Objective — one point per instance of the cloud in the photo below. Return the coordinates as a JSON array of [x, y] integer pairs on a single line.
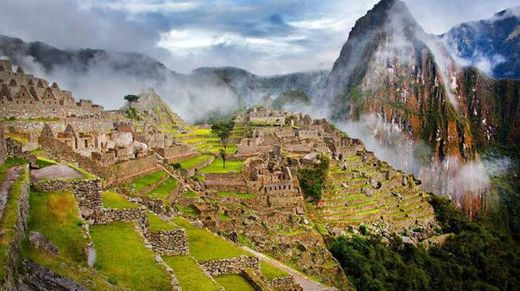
[[289, 34]]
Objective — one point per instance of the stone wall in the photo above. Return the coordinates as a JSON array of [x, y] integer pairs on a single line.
[[13, 253], [114, 174], [14, 147], [230, 266], [286, 283], [231, 182], [59, 125], [169, 242], [37, 277]]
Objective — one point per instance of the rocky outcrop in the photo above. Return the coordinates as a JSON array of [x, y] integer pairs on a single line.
[[38, 277]]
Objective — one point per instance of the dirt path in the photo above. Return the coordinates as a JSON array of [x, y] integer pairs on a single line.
[[304, 281], [10, 177]]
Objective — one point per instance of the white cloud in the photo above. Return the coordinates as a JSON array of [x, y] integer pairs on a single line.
[[141, 7], [189, 41]]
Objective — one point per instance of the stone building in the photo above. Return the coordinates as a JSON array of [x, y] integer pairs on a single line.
[[263, 116], [24, 96], [3, 146]]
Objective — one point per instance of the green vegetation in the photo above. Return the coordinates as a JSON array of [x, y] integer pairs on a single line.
[[476, 257], [270, 272], [56, 216], [10, 218], [157, 224], [145, 181], [193, 162], [164, 190], [131, 113], [223, 130], [189, 274], [234, 283], [122, 256], [313, 180], [205, 246], [188, 210], [191, 194], [85, 173], [218, 167], [115, 200], [44, 162], [294, 97]]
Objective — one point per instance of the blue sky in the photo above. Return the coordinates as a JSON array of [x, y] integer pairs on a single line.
[[266, 37]]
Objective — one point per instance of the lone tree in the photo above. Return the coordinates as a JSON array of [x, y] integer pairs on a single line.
[[131, 99], [223, 130]]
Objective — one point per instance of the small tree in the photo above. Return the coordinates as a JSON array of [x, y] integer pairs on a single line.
[[312, 180], [223, 130], [132, 99]]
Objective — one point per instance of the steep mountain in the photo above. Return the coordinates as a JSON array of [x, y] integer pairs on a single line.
[[391, 68], [401, 84], [493, 44]]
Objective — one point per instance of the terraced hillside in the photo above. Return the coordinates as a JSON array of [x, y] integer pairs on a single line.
[[353, 197]]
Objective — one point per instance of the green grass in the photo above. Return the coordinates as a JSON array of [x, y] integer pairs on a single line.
[[9, 219], [157, 224], [192, 162], [189, 274], [224, 194], [217, 167], [270, 272], [206, 246], [44, 162], [10, 162], [122, 256], [140, 183], [115, 200], [234, 283], [188, 210], [191, 194], [56, 216], [164, 190], [86, 174]]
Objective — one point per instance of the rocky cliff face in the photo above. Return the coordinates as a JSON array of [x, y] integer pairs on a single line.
[[391, 68], [493, 45], [408, 83]]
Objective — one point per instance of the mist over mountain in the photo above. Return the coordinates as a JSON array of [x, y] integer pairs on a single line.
[[107, 76], [492, 45]]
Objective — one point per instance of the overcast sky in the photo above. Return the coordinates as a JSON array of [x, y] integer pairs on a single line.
[[263, 36]]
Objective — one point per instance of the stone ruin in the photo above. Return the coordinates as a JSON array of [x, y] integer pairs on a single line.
[[24, 96]]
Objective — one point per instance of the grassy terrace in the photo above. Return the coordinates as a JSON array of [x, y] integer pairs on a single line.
[[10, 217], [164, 190], [206, 246], [217, 167], [157, 224], [270, 272], [56, 216], [190, 275], [234, 283], [140, 183], [193, 162], [122, 256], [115, 200]]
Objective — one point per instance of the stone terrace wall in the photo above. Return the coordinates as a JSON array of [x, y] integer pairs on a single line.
[[232, 182], [36, 126], [230, 266], [14, 147], [13, 254], [286, 283], [169, 242], [117, 173], [120, 173]]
